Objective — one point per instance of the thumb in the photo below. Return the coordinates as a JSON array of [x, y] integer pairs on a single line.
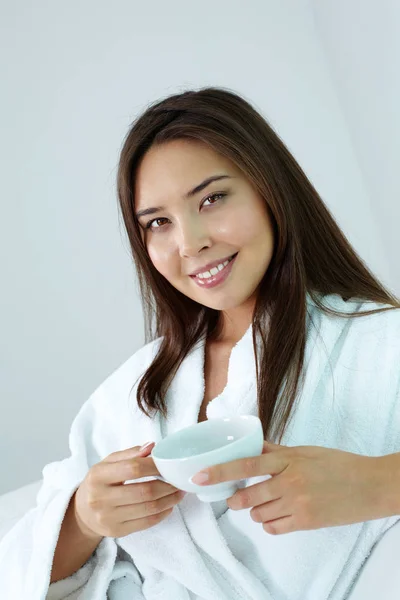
[[145, 449], [270, 447]]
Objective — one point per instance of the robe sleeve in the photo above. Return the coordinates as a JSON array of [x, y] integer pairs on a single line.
[[27, 550], [386, 413]]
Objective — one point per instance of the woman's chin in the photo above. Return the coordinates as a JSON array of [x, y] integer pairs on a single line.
[[219, 304]]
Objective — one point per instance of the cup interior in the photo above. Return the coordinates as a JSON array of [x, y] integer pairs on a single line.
[[204, 437]]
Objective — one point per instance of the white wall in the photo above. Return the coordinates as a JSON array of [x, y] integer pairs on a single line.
[[361, 40], [74, 76]]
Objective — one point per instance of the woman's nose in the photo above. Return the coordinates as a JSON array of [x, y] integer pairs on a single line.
[[193, 236]]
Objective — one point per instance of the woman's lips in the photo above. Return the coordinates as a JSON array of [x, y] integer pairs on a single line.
[[216, 279]]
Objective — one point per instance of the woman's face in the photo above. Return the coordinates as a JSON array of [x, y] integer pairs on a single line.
[[184, 232]]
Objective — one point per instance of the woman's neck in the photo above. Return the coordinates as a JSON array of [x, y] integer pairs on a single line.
[[230, 332], [236, 321]]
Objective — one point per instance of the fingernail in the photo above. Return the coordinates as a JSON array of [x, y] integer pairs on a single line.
[[199, 478], [145, 446]]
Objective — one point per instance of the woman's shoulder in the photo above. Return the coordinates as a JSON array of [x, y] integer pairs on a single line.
[[382, 325]]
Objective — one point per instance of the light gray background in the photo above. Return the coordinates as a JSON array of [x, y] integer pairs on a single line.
[[73, 77]]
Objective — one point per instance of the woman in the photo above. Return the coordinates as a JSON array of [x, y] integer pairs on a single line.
[[259, 306]]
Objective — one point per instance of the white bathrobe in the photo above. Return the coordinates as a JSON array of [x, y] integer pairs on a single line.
[[350, 400]]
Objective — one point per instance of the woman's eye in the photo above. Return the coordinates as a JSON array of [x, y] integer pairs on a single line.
[[149, 225], [221, 195]]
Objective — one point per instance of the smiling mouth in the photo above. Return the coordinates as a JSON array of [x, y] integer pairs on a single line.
[[210, 275], [216, 279]]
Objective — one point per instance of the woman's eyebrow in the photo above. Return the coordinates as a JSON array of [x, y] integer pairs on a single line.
[[193, 192]]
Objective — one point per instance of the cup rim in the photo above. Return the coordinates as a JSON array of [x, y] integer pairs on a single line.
[[203, 424]]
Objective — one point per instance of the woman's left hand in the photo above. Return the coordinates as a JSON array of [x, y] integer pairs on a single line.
[[310, 487]]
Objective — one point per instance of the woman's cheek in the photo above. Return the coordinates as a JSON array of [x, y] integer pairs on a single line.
[[161, 259], [230, 227]]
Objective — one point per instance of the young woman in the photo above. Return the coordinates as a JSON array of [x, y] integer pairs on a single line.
[[255, 303]]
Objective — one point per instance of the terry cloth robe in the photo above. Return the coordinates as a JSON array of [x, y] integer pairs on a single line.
[[350, 400]]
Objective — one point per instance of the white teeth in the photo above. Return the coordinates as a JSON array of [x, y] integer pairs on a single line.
[[213, 271]]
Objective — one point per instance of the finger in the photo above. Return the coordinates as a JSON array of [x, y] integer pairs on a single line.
[[114, 473], [279, 526], [243, 468], [129, 453], [256, 494], [136, 493], [136, 511], [270, 511], [133, 525]]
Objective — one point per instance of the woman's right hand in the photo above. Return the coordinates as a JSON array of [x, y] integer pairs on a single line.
[[106, 507]]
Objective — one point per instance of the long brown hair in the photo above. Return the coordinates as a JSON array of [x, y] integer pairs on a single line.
[[311, 253]]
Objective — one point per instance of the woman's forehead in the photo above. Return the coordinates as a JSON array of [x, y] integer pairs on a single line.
[[176, 170]]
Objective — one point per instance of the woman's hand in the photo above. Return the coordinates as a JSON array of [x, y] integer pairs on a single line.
[[106, 506], [310, 487]]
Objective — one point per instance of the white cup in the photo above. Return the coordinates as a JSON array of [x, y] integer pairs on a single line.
[[182, 454]]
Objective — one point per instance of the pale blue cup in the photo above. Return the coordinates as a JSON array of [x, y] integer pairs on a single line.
[[182, 454]]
